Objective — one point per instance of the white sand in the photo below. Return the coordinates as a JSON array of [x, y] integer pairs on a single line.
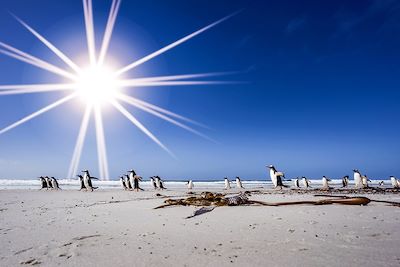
[[70, 228]]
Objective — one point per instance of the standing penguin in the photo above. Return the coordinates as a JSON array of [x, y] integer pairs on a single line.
[[239, 183], [153, 182], [127, 182], [123, 183], [81, 182], [43, 182], [276, 177], [325, 184], [49, 183], [395, 182], [55, 183], [87, 180], [190, 185], [357, 178], [306, 182], [345, 181], [136, 180], [296, 182], [364, 181], [227, 183], [131, 175], [159, 183]]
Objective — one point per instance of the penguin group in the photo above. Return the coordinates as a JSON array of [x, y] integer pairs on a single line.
[[360, 181], [49, 183], [131, 181], [86, 181]]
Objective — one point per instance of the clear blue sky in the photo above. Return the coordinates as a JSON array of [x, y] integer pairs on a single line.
[[322, 97]]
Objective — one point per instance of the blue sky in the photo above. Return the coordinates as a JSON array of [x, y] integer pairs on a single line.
[[321, 98]]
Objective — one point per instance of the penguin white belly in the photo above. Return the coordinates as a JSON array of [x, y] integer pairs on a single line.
[[158, 184], [357, 179], [227, 184], [238, 183], [190, 185], [273, 178], [324, 183], [86, 182]]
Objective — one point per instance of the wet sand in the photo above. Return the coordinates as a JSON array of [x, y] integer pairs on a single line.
[[121, 228]]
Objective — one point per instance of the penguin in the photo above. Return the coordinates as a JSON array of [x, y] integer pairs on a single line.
[[306, 182], [127, 182], [345, 181], [357, 178], [227, 183], [395, 182], [157, 180], [276, 177], [123, 182], [55, 183], [87, 180], [190, 184], [296, 183], [48, 181], [239, 183], [43, 182], [364, 181], [325, 184], [131, 175], [136, 180], [153, 182], [81, 181], [159, 183]]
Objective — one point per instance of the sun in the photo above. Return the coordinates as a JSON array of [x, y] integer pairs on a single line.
[[97, 85]]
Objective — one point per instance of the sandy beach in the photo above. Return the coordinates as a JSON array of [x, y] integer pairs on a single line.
[[121, 228]]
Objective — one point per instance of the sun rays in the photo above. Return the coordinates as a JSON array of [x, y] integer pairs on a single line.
[[97, 83]]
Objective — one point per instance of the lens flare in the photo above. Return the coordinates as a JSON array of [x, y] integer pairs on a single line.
[[99, 84]]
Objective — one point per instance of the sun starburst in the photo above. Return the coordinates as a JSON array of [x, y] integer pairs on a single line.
[[98, 83]]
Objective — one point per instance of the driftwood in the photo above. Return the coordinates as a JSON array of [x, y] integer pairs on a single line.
[[216, 200], [393, 203]]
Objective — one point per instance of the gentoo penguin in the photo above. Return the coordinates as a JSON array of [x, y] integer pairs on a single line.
[[123, 182], [159, 183], [296, 183], [136, 180], [325, 184], [127, 182], [345, 181], [190, 184], [48, 181], [81, 181], [306, 182], [365, 180], [153, 182], [276, 177], [238, 182], [227, 183], [55, 183], [395, 182], [357, 178], [131, 175], [87, 180], [43, 182]]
